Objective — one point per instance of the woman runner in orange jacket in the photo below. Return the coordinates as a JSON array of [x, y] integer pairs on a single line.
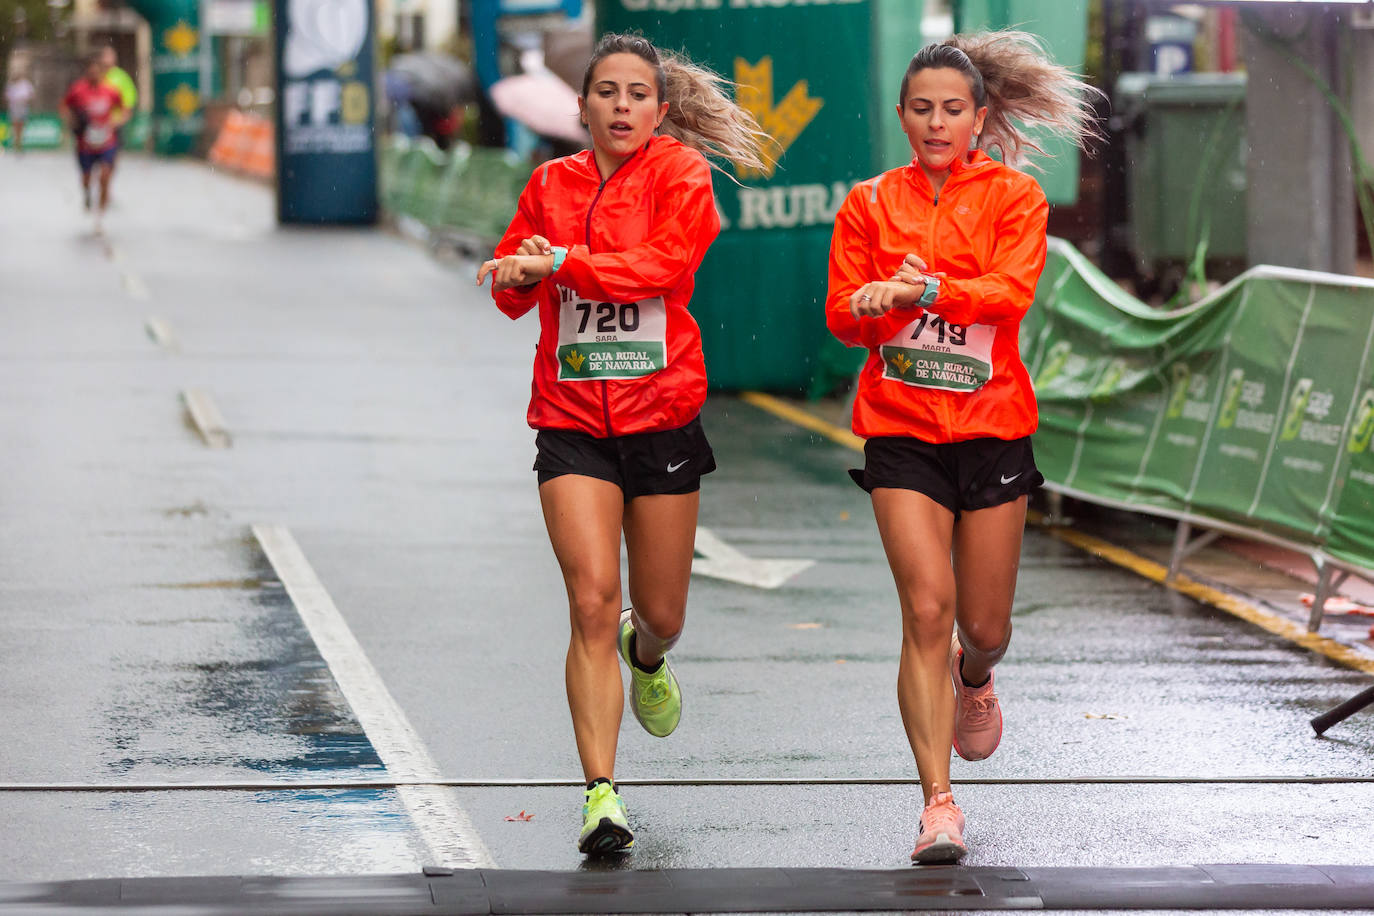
[[932, 266], [605, 244]]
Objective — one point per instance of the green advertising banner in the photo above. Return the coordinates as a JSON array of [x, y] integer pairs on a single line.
[[41, 131], [1254, 406], [177, 100], [760, 292]]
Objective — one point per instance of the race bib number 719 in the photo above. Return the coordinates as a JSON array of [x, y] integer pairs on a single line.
[[932, 353], [609, 340]]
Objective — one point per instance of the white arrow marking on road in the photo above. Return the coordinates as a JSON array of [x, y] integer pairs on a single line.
[[719, 560]]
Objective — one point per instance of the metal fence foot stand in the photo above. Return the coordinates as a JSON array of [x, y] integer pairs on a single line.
[[1344, 711], [1055, 516], [1184, 548], [1329, 578]]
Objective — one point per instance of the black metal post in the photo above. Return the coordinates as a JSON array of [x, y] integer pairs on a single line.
[[1344, 711]]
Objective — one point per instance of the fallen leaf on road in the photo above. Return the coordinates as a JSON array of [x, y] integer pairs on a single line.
[[806, 626], [1103, 715], [522, 816]]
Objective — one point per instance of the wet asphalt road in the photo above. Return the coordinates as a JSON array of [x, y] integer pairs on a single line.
[[375, 402]]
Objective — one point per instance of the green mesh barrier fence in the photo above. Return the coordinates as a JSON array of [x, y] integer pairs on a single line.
[[468, 191], [1253, 406]]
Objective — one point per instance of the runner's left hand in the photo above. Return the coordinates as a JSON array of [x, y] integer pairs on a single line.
[[913, 266], [911, 271], [535, 244]]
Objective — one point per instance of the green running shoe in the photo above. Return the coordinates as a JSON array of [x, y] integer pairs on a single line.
[[654, 697], [604, 828]]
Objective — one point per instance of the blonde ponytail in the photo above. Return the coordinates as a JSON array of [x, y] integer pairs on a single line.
[[701, 115], [700, 112]]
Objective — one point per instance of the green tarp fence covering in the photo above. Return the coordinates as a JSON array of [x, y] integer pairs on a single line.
[[469, 191], [1253, 406]]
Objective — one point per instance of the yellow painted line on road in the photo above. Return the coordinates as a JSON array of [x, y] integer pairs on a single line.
[[803, 419], [1231, 604], [1149, 569]]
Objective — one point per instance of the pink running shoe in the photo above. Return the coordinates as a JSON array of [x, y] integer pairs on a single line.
[[941, 841], [977, 714]]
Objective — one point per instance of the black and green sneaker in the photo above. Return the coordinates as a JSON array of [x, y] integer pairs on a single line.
[[604, 827], [654, 695]]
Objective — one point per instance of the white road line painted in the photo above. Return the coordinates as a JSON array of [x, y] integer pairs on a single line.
[[161, 333], [206, 417], [719, 560], [128, 277], [134, 286], [442, 823]]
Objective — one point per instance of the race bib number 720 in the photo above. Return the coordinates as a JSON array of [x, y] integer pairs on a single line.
[[932, 353], [609, 340]]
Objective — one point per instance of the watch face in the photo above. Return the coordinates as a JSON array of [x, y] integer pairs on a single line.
[[932, 290]]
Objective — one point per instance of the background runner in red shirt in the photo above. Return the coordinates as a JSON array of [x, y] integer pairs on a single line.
[[95, 111]]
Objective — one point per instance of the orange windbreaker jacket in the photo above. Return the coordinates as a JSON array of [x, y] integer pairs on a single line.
[[955, 372], [618, 351]]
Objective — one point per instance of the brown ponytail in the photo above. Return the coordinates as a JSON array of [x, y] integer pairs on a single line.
[[1012, 74]]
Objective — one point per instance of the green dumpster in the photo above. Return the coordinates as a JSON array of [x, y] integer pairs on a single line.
[[1186, 151]]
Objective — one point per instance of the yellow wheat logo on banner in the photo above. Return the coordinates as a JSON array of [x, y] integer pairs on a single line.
[[183, 101], [783, 122], [181, 40]]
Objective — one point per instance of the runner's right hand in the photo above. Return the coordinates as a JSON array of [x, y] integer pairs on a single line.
[[515, 270], [881, 296]]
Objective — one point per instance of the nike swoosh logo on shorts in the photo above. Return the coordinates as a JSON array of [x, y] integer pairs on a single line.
[[1007, 480], [673, 467]]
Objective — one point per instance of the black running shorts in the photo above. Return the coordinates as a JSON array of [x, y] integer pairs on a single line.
[[961, 476], [641, 464]]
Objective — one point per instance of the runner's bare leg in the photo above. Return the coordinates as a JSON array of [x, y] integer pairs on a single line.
[[917, 534], [660, 533], [987, 556], [584, 516]]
